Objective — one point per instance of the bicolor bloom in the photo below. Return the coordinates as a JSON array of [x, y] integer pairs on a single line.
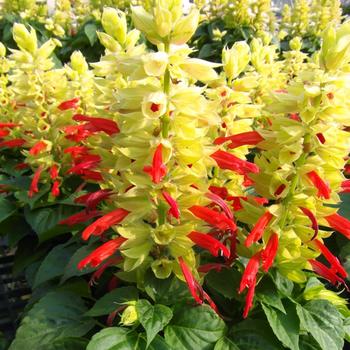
[[334, 262], [55, 190], [13, 143], [323, 189], [258, 230], [110, 127], [279, 190], [326, 273], [54, 172], [80, 217], [245, 138], [101, 253], [221, 203], [269, 253], [37, 148], [214, 218], [35, 181], [98, 273], [313, 220], [104, 223], [158, 169], [91, 200], [229, 161], [340, 224], [70, 104], [345, 186], [321, 137], [250, 272], [174, 208], [209, 243]]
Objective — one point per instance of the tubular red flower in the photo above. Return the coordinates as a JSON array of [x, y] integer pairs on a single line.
[[279, 190], [219, 191], [313, 220], [323, 189], [70, 104], [258, 230], [76, 151], [250, 272], [4, 132], [214, 218], [104, 223], [98, 273], [295, 116], [91, 200], [78, 133], [347, 169], [209, 243], [37, 148], [80, 217], [84, 165], [34, 184], [269, 253], [334, 262], [21, 166], [321, 137], [325, 272], [13, 143], [158, 169], [211, 266], [229, 161], [221, 203], [54, 172], [174, 209], [55, 191], [102, 253], [8, 125], [91, 175], [345, 186], [110, 127], [340, 224], [245, 138], [249, 299]]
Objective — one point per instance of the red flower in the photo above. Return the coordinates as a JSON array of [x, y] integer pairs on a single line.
[[258, 230], [76, 151], [91, 175], [87, 164], [34, 185], [8, 125], [326, 273], [221, 203], [219, 191], [209, 243], [13, 143], [250, 272], [229, 161], [269, 253], [323, 189], [102, 253], [99, 124], [279, 190], [313, 220], [37, 148], [174, 209], [55, 189], [249, 299], [295, 116], [104, 223], [321, 137], [347, 169], [158, 169], [214, 218], [77, 133], [345, 186], [4, 132], [70, 104], [340, 224], [21, 166], [245, 138], [98, 273], [80, 217], [211, 266], [335, 264], [54, 172], [91, 200]]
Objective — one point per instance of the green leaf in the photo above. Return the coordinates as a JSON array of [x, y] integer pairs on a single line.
[[285, 326], [308, 343], [225, 282], [324, 322], [267, 294], [254, 335], [283, 284], [7, 208], [54, 263], [206, 51], [70, 344], [117, 338], [45, 221], [110, 301], [153, 318], [347, 329], [194, 328], [90, 31], [159, 344], [225, 343], [56, 316]]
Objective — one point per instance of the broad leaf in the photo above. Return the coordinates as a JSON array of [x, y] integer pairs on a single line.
[[7, 208], [285, 326], [226, 344], [56, 316], [267, 294], [112, 300], [153, 318], [324, 322], [90, 31], [194, 328]]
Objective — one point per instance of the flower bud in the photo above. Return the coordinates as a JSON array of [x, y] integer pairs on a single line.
[[114, 23], [2, 50], [78, 62], [163, 21], [129, 315], [25, 40], [236, 59], [155, 64], [154, 105], [108, 42], [295, 44], [162, 268], [185, 28]]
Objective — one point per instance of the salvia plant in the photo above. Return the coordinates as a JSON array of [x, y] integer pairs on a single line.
[[169, 171]]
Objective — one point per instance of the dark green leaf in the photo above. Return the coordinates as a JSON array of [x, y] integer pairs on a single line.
[[285, 326], [153, 318], [90, 31], [226, 344], [112, 300], [7, 208], [324, 322], [56, 316], [267, 294], [308, 343], [70, 344], [283, 284], [194, 328]]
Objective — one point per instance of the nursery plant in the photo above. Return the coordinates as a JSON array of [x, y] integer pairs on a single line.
[[161, 201]]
